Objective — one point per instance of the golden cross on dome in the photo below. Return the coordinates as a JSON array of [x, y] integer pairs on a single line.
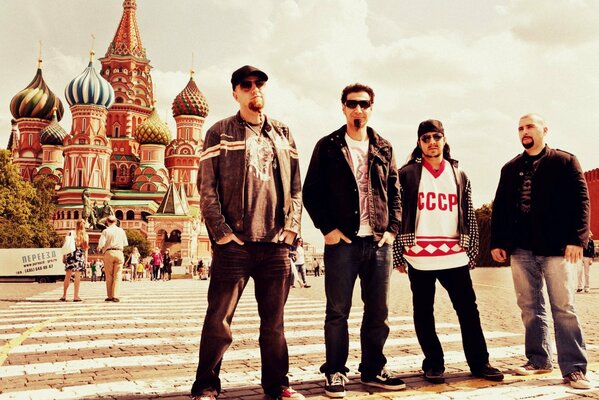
[[39, 56], [91, 51]]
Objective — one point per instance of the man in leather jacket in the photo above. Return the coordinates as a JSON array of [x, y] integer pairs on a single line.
[[351, 192], [250, 198]]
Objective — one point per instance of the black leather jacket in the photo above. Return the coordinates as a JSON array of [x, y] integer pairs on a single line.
[[560, 205], [409, 178], [221, 178], [331, 192]]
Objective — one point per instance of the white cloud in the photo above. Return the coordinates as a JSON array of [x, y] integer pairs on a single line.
[[477, 67]]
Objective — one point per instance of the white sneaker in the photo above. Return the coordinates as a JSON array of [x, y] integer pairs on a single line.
[[531, 369], [577, 380], [587, 290]]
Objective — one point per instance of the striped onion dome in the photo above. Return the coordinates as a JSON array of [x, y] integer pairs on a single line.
[[36, 100], [89, 88], [153, 130], [53, 133], [190, 101]]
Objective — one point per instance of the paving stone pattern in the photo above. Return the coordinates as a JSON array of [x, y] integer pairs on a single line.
[[146, 346]]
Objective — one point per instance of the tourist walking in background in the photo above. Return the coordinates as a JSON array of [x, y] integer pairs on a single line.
[[250, 193], [133, 261], [351, 192], [438, 241], [75, 261], [540, 220], [112, 242], [156, 261], [94, 268], [300, 263], [166, 266], [584, 268]]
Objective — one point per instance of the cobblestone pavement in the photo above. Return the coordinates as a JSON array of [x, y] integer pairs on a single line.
[[146, 346]]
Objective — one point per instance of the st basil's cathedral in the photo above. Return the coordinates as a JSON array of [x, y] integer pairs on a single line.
[[119, 152]]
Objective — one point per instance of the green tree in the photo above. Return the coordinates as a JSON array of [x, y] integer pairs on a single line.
[[137, 239], [483, 218], [25, 209]]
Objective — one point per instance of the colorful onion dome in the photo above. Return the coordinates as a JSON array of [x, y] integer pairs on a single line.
[[153, 131], [190, 101], [89, 88], [53, 134], [36, 100]]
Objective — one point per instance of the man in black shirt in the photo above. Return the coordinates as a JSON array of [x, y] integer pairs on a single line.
[[541, 219]]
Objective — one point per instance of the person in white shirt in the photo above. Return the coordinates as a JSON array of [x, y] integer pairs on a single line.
[[112, 242], [438, 240]]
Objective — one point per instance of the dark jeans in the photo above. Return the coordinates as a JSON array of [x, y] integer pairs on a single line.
[[344, 263], [232, 266], [155, 270], [458, 284]]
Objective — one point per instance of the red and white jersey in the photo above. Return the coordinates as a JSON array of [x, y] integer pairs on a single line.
[[437, 238]]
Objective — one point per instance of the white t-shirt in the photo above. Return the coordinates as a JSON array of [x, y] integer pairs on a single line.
[[358, 151], [437, 237]]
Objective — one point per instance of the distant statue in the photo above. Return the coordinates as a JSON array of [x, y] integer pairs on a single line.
[[88, 214], [102, 213]]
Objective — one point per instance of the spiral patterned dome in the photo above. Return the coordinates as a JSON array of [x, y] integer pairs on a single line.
[[36, 101], [53, 134], [89, 88], [190, 101], [153, 131]]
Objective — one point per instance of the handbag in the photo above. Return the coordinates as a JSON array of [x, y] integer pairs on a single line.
[[69, 244]]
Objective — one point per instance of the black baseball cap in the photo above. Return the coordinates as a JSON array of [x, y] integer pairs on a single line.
[[430, 125], [244, 72]]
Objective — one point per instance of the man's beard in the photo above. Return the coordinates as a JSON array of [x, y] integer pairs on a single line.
[[357, 123], [529, 145], [256, 104]]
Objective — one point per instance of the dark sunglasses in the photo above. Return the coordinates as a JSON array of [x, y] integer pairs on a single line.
[[364, 104], [427, 138], [247, 85]]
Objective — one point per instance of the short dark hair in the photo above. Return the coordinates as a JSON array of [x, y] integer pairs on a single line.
[[354, 88]]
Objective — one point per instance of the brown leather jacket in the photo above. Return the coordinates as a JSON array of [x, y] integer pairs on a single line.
[[221, 178]]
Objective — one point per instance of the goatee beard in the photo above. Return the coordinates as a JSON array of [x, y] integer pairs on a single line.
[[528, 145], [357, 123], [256, 105]]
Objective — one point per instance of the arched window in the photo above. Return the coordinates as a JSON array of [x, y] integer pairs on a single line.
[[130, 215], [68, 215], [119, 214], [76, 214], [145, 215]]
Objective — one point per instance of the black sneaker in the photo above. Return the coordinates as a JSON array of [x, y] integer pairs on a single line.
[[434, 376], [384, 380], [334, 385], [489, 373]]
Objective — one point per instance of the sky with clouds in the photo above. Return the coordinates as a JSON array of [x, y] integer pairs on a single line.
[[475, 65]]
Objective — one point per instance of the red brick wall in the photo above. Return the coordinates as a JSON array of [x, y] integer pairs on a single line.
[[592, 178]]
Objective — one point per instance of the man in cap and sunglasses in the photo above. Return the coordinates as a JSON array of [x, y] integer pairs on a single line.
[[351, 192], [250, 190], [439, 241]]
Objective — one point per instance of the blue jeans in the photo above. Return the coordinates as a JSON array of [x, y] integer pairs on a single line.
[[528, 272], [344, 263], [232, 266]]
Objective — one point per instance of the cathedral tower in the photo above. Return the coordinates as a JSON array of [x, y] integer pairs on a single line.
[[190, 110], [127, 69], [87, 149], [32, 109]]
